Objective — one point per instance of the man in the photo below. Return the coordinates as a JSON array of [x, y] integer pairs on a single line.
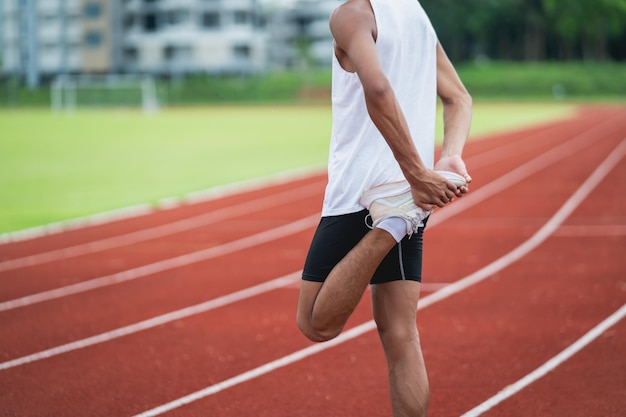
[[388, 69]]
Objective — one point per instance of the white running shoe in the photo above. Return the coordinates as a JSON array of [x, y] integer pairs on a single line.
[[393, 200]]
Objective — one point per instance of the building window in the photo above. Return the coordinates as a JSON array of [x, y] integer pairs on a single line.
[[211, 20], [173, 53], [241, 52], [176, 17], [241, 17], [93, 39], [131, 54], [150, 22], [93, 10], [48, 18], [129, 22], [48, 47]]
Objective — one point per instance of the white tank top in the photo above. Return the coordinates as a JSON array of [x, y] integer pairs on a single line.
[[359, 157]]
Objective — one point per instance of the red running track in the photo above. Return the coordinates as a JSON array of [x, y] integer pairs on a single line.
[[190, 311]]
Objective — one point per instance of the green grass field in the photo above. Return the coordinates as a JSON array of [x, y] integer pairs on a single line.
[[56, 167]]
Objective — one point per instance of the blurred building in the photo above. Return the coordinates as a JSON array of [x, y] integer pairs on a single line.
[[45, 38], [189, 36], [299, 34]]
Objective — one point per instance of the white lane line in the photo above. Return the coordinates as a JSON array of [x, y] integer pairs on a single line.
[[433, 286], [77, 223], [156, 321], [163, 230], [143, 209], [539, 237], [502, 183], [167, 264], [550, 365]]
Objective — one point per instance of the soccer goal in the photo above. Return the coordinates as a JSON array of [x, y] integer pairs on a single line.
[[69, 93]]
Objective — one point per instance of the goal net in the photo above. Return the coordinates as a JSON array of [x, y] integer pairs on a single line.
[[69, 93]]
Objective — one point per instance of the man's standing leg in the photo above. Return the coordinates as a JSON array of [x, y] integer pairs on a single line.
[[395, 308]]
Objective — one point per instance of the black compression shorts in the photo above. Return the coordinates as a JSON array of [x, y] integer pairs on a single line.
[[337, 235]]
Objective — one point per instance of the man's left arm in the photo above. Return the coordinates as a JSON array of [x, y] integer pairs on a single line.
[[457, 116]]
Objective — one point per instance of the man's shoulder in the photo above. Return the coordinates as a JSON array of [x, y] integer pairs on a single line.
[[351, 10], [351, 14]]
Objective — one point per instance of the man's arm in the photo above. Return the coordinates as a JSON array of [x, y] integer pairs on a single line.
[[457, 116], [354, 27]]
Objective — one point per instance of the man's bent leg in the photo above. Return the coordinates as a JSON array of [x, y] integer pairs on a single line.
[[324, 308], [395, 307]]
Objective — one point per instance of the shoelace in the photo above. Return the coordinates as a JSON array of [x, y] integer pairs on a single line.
[[416, 223]]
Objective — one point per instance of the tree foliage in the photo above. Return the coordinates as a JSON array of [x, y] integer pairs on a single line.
[[531, 30]]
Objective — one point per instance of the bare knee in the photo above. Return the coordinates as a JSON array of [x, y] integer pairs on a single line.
[[316, 332], [398, 337]]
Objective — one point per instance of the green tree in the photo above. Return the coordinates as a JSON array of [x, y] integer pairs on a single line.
[[530, 30], [588, 23]]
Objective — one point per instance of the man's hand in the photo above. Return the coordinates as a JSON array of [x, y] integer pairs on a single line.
[[432, 190], [455, 164]]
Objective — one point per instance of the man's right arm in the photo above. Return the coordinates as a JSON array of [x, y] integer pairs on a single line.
[[353, 29]]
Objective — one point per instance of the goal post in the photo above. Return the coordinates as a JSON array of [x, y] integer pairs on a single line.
[[68, 93]]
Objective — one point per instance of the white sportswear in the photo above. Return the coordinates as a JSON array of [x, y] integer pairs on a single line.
[[359, 156]]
